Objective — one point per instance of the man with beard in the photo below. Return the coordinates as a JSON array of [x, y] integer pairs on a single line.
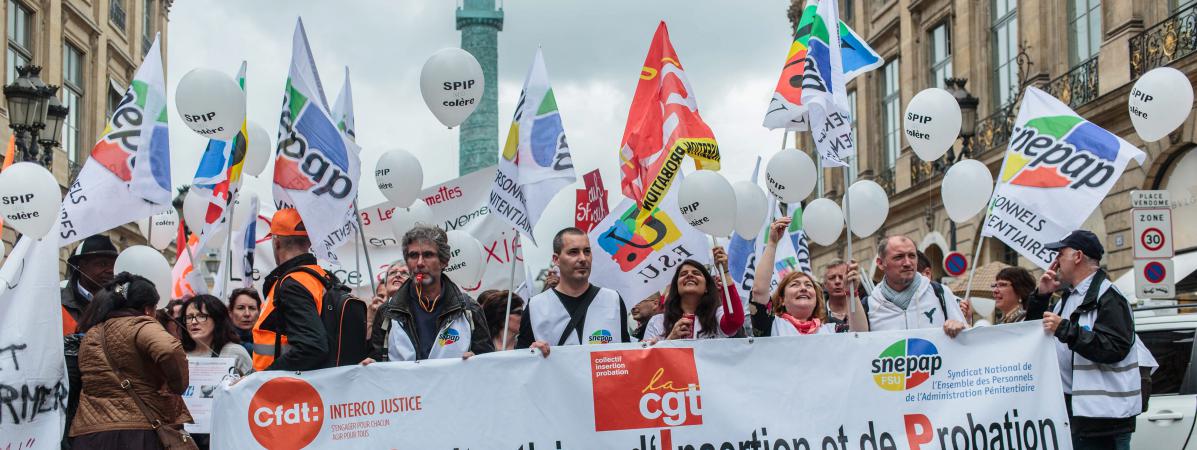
[[575, 311]]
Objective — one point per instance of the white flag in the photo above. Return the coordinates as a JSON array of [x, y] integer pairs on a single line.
[[342, 110], [823, 89], [535, 163]]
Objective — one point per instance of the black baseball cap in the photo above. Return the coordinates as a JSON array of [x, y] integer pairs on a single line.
[[1083, 241]]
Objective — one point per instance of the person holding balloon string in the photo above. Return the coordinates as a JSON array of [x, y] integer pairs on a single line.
[[796, 307], [695, 307]]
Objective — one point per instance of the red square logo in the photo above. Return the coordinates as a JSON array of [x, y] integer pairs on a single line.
[[652, 388]]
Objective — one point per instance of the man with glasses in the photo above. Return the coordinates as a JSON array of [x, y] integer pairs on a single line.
[[429, 317]]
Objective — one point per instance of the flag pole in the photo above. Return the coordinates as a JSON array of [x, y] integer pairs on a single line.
[[726, 292], [968, 287], [361, 234], [228, 248], [852, 301], [510, 289]]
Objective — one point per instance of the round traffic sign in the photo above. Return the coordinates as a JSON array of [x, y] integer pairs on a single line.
[[1152, 239], [955, 264], [1154, 272]]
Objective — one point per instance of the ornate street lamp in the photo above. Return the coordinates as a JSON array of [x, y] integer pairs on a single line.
[[35, 115], [968, 117]]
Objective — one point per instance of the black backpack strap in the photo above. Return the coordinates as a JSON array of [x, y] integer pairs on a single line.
[[943, 304], [278, 305], [579, 315]]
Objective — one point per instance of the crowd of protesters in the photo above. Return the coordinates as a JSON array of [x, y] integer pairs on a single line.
[[127, 358]]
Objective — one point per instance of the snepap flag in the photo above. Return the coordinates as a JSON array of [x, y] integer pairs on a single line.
[[535, 163], [127, 177], [219, 173], [316, 167], [342, 110], [1058, 167], [786, 109], [663, 127], [823, 90]]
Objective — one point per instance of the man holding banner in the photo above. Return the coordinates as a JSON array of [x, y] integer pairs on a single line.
[[575, 309], [429, 317], [905, 299]]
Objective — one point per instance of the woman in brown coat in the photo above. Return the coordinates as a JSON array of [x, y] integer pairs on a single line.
[[142, 352]]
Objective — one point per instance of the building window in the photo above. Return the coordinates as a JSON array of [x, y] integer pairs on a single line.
[[147, 26], [115, 95], [116, 13], [1084, 30], [1004, 35], [1175, 5], [846, 11], [941, 55], [20, 38], [72, 97], [891, 112]]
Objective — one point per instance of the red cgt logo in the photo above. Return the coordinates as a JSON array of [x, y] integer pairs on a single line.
[[645, 389]]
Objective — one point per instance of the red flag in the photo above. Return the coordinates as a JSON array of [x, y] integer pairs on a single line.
[[663, 127]]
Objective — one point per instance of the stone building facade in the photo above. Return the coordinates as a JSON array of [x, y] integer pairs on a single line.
[[1088, 53]]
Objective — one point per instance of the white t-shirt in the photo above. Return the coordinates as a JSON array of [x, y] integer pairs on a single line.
[[656, 327]]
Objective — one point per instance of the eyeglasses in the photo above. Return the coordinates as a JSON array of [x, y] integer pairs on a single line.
[[1000, 284], [517, 312], [197, 318]]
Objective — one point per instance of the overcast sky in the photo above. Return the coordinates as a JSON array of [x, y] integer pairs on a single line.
[[732, 52]]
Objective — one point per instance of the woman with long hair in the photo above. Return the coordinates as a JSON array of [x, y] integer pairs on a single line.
[[124, 346], [695, 307], [798, 300], [494, 307], [210, 333]]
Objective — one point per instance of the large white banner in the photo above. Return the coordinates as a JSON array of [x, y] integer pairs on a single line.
[[33, 383], [993, 387]]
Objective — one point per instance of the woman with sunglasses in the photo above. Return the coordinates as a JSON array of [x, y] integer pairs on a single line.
[[1012, 288], [210, 332], [494, 306]]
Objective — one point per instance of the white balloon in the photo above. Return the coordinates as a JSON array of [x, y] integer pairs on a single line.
[[452, 85], [31, 198], [149, 263], [465, 260], [241, 210], [966, 189], [400, 177], [822, 220], [931, 123], [211, 103], [790, 175], [752, 208], [869, 206], [707, 201], [259, 149], [160, 229], [195, 207], [1160, 102], [404, 219]]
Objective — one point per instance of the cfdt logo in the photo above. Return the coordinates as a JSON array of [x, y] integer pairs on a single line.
[[653, 388], [906, 364], [600, 337], [286, 414], [1060, 151], [448, 337]]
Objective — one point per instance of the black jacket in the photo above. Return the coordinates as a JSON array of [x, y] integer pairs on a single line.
[[1111, 338], [456, 304], [299, 321]]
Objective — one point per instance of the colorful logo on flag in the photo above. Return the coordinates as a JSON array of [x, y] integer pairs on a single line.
[[311, 152], [118, 145], [1060, 151], [905, 364], [629, 244], [548, 135]]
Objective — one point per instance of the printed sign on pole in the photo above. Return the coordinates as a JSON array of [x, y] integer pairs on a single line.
[[955, 264], [591, 206], [1154, 278], [1152, 224]]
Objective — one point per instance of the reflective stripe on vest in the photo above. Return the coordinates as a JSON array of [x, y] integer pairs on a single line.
[[1105, 390], [68, 322], [549, 318], [452, 341], [264, 340]]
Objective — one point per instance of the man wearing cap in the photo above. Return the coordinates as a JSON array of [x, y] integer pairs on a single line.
[[89, 268], [1095, 331], [289, 334]]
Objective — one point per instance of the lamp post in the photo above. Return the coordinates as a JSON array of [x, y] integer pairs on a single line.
[[968, 117], [36, 116]]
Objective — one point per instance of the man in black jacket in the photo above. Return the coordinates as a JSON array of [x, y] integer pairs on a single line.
[[1096, 334], [289, 334], [429, 317]]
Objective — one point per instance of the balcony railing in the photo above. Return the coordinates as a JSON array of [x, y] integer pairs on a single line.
[[921, 171], [1165, 42], [886, 180], [1078, 86], [993, 131]]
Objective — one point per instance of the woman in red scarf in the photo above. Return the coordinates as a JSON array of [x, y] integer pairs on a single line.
[[797, 306]]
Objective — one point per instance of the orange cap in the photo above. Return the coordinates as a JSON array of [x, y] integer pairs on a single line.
[[286, 222]]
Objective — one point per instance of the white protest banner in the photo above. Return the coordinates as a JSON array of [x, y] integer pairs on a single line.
[[1058, 168], [917, 390], [33, 383], [637, 260], [204, 378]]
